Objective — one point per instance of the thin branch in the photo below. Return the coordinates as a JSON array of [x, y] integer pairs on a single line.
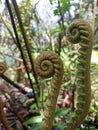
[[12, 83], [73, 97], [62, 17], [8, 28], [25, 39], [19, 45], [60, 42], [96, 30], [94, 15]]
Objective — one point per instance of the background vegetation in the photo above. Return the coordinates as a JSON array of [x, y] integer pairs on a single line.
[[45, 24]]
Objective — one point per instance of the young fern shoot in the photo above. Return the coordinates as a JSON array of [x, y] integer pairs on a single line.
[[49, 64], [46, 65], [80, 31]]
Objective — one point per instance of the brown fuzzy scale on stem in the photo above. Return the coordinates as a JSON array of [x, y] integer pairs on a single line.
[[49, 64], [80, 31]]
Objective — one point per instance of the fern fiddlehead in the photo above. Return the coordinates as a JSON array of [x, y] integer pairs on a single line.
[[79, 31], [2, 67], [46, 65]]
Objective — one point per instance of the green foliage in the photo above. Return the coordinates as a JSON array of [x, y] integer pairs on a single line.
[[36, 127], [62, 5], [36, 119], [43, 36], [61, 112]]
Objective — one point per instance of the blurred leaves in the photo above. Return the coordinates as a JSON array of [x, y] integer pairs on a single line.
[[64, 6], [61, 112], [36, 119]]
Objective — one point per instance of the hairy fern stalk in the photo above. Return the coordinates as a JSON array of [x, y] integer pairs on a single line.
[[46, 65], [80, 32], [49, 64]]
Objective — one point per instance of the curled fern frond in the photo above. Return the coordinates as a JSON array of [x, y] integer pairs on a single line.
[[49, 64], [80, 31]]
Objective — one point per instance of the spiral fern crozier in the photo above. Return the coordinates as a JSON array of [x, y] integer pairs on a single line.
[[46, 65], [2, 67], [80, 31]]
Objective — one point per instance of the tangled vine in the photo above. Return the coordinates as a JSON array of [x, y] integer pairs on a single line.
[[46, 65], [80, 32]]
